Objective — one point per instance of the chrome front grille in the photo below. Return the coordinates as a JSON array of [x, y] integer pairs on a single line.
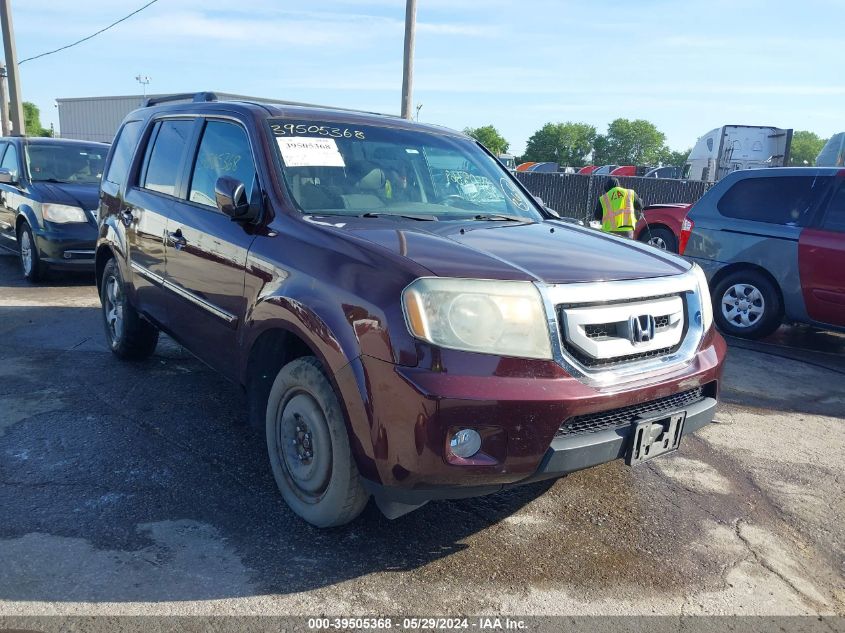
[[596, 327], [606, 335]]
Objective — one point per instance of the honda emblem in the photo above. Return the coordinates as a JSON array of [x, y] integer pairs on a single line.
[[641, 328]]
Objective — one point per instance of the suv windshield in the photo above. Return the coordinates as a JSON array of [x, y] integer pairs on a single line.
[[65, 163], [350, 169]]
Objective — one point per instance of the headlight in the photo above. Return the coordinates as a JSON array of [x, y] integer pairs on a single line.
[[493, 317], [704, 297], [62, 213]]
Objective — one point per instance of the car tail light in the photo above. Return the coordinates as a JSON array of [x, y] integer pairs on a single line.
[[686, 230]]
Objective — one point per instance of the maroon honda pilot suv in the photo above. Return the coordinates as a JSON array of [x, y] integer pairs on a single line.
[[407, 321]]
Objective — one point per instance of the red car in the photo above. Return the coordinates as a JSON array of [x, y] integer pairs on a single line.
[[625, 170], [665, 226]]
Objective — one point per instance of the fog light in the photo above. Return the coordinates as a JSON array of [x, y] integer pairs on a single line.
[[465, 443]]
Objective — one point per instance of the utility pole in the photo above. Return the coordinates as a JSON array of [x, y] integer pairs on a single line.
[[4, 101], [408, 68], [16, 110]]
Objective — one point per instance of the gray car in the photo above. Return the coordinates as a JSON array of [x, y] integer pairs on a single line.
[[772, 243]]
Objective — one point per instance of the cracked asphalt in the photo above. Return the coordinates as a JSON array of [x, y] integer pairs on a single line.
[[137, 489]]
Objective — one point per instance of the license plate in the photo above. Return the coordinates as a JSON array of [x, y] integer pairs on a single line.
[[655, 436]]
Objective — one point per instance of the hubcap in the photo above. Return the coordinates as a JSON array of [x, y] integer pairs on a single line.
[[743, 305], [113, 308], [658, 242], [304, 445], [26, 253]]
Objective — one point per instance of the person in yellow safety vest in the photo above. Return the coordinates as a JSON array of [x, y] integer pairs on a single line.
[[617, 209], [396, 185]]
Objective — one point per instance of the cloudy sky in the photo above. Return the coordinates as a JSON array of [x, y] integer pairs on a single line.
[[686, 65]]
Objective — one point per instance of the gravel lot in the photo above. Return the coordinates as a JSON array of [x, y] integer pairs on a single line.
[[137, 489]]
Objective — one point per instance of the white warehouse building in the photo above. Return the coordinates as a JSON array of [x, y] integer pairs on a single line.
[[98, 118]]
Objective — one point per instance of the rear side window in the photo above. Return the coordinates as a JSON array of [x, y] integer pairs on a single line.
[[121, 158], [165, 159], [10, 160], [224, 151], [776, 200], [834, 218]]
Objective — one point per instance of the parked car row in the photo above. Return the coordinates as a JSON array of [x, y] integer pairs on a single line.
[[631, 170], [604, 170], [407, 322]]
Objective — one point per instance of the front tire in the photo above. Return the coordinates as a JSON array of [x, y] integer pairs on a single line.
[[747, 304], [129, 336], [309, 447], [34, 270]]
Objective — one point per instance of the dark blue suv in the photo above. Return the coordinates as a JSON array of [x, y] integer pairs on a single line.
[[48, 202]]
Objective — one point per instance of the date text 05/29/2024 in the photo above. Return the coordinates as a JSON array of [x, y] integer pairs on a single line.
[[445, 624]]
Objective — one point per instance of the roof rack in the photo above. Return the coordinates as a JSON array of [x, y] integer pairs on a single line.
[[196, 97], [204, 97]]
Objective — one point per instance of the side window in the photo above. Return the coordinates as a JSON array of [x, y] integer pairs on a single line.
[[121, 157], [834, 217], [10, 160], [223, 151], [784, 200], [165, 159]]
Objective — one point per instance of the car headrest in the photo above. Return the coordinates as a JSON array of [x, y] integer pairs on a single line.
[[373, 180]]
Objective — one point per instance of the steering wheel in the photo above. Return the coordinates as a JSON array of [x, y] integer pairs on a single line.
[[451, 199], [455, 200]]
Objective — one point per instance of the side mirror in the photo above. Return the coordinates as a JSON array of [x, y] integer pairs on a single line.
[[7, 177], [230, 194]]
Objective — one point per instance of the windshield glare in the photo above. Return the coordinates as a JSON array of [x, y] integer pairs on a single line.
[[348, 169], [65, 163]]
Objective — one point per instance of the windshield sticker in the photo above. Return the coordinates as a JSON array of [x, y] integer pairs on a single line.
[[472, 187], [310, 152], [513, 194], [298, 129]]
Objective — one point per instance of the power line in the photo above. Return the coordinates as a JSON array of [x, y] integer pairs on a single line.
[[85, 39]]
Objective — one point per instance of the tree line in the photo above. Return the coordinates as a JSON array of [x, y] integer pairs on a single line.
[[626, 142]]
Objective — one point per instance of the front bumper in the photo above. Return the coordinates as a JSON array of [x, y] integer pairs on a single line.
[[569, 454], [67, 246], [565, 455], [518, 407]]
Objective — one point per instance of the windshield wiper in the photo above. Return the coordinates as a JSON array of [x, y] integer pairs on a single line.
[[53, 180], [499, 217], [407, 216]]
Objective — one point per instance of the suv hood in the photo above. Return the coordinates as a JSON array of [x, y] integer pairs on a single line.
[[551, 251], [85, 195]]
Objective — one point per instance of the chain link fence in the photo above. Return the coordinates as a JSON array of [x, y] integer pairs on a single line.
[[575, 195]]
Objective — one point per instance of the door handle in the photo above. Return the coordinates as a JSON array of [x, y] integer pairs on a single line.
[[126, 217], [176, 240]]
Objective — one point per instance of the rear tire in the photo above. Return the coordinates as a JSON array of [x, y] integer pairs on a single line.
[[129, 336], [747, 304], [661, 238], [309, 447], [34, 270]]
